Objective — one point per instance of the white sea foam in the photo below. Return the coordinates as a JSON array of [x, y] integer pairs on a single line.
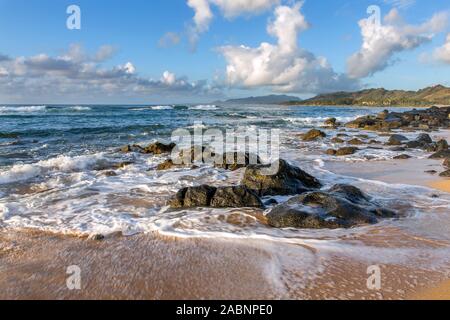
[[22, 109], [205, 107], [162, 107], [80, 108], [23, 172], [314, 121]]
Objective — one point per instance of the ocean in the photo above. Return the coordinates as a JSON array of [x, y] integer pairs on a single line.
[[58, 174]]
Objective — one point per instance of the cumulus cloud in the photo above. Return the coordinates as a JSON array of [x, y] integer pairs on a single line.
[[284, 67], [442, 54], [381, 41], [202, 18], [229, 8], [75, 72], [233, 8]]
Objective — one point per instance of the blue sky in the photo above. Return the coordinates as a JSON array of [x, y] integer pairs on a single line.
[[132, 71]]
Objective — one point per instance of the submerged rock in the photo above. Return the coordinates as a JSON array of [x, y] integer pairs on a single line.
[[223, 197], [341, 207], [313, 134], [337, 140], [402, 157], [159, 148], [288, 180], [355, 142], [331, 122], [441, 154], [441, 145], [346, 151], [445, 174], [446, 162], [166, 165]]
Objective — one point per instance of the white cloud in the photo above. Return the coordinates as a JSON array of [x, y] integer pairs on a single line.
[[80, 74], [401, 3], [283, 67], [382, 41], [233, 8], [202, 18], [442, 54], [229, 8]]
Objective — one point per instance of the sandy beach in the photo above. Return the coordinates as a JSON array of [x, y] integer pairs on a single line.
[[150, 266]]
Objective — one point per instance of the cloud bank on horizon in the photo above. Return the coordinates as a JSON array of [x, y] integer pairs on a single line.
[[76, 72], [279, 65]]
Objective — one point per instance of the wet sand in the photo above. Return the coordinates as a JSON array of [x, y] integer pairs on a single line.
[[33, 266], [150, 266]]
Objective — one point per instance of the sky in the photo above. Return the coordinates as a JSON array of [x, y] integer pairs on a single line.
[[182, 51]]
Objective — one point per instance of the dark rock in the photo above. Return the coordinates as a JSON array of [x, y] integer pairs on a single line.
[[416, 144], [397, 149], [132, 148], [331, 122], [331, 152], [313, 134], [122, 165], [424, 138], [110, 174], [374, 142], [441, 154], [237, 160], [235, 197], [441, 145], [402, 157], [346, 151], [446, 162], [288, 180], [159, 148], [193, 197], [316, 210], [355, 142], [431, 172], [396, 140], [445, 174], [166, 165], [337, 140], [271, 202], [349, 192], [223, 197]]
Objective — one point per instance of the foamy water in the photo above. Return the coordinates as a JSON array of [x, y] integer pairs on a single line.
[[55, 176]]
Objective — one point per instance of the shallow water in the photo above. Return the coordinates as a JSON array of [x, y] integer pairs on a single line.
[[53, 161]]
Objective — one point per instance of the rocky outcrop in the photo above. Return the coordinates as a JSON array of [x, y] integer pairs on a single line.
[[340, 207], [159, 148], [432, 118], [288, 180], [207, 196], [313, 134], [331, 122]]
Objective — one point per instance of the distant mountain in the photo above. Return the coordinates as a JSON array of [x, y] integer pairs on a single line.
[[271, 99], [436, 95]]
